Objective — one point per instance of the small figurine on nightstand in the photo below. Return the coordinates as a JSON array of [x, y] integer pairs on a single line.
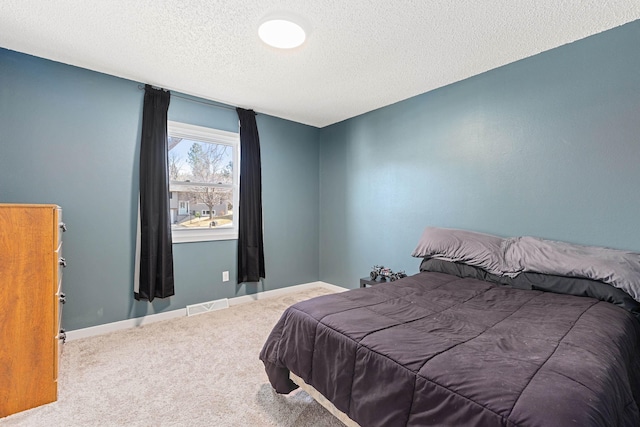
[[398, 275], [383, 273]]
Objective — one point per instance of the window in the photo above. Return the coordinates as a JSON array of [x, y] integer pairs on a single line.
[[204, 178]]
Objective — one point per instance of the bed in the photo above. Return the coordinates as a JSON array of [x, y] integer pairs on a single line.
[[478, 337]]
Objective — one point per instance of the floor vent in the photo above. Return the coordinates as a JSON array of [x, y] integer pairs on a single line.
[[206, 307]]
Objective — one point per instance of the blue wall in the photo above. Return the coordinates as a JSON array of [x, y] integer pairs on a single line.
[[548, 146], [71, 137]]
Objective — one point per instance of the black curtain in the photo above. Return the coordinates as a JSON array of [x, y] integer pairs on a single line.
[[155, 278], [250, 246]]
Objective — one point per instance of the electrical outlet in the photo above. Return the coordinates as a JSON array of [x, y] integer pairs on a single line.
[[225, 276]]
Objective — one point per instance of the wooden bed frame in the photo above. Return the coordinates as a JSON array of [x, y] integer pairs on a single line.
[[323, 401]]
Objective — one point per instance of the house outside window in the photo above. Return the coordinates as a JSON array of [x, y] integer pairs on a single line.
[[204, 177]]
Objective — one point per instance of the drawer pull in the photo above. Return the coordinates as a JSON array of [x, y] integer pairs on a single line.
[[63, 227], [63, 262], [63, 298], [62, 335]]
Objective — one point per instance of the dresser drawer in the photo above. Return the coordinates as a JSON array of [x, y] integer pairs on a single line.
[[61, 299], [61, 227], [59, 333]]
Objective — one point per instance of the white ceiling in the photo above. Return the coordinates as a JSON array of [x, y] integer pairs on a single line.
[[360, 54]]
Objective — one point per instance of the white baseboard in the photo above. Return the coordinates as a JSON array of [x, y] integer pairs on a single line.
[[283, 291], [145, 320], [123, 324]]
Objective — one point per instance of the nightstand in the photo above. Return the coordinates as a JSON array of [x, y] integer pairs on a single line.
[[366, 281]]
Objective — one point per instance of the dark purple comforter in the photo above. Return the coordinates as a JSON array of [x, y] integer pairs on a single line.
[[435, 349]]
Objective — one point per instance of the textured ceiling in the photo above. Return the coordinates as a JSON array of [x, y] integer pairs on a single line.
[[360, 55]]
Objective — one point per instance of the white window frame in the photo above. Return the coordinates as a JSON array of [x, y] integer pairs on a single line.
[[215, 136]]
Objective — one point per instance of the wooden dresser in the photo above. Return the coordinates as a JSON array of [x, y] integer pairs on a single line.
[[30, 305]]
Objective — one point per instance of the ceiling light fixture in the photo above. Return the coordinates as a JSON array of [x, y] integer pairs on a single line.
[[281, 33]]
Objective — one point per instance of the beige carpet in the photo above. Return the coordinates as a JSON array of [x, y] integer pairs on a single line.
[[190, 371]]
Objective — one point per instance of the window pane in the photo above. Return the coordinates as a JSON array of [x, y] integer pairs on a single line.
[[201, 207], [203, 183], [195, 161]]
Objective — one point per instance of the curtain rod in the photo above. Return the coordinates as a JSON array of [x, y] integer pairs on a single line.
[[205, 102]]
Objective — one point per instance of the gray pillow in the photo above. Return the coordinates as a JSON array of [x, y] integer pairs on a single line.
[[448, 244], [615, 267]]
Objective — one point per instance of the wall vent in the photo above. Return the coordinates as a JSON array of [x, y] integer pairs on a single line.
[[206, 307]]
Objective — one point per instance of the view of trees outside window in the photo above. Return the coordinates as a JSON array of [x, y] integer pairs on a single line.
[[201, 184]]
